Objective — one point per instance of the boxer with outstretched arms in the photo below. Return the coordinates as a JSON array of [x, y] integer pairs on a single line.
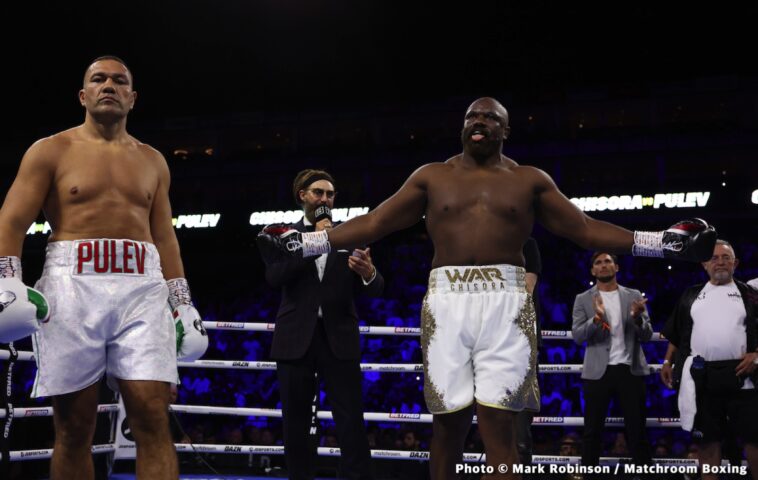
[[478, 329], [112, 264]]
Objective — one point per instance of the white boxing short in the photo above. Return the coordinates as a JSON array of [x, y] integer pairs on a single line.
[[479, 339], [108, 314]]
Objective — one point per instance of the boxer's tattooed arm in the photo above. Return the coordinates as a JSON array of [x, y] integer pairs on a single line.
[[178, 292], [10, 267]]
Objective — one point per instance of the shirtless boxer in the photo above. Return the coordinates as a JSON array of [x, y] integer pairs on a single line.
[[478, 327], [105, 195]]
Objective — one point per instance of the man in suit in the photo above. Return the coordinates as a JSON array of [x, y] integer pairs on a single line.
[[613, 320], [317, 332]]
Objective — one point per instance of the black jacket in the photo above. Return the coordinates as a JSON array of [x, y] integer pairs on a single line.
[[678, 329], [303, 293]]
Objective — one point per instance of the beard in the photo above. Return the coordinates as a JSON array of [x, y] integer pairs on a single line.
[[606, 278], [721, 277], [309, 210]]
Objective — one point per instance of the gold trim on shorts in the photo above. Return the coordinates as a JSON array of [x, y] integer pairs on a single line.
[[527, 396], [432, 394]]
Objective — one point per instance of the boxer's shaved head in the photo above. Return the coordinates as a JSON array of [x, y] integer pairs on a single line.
[[102, 58], [485, 128]]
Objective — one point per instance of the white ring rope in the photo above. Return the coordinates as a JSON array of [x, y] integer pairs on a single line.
[[394, 331], [23, 455], [19, 412], [22, 356], [365, 367], [369, 367], [666, 422]]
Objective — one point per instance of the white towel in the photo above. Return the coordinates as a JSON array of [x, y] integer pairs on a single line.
[[687, 405]]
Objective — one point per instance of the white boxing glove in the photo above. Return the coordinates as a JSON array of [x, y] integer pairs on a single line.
[[22, 309], [191, 337]]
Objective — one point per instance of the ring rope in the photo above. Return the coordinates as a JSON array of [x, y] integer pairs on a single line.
[[23, 455], [665, 422], [394, 331], [365, 367]]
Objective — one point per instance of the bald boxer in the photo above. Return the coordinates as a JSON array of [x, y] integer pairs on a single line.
[[478, 324], [110, 253]]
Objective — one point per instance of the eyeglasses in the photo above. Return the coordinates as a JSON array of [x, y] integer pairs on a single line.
[[319, 192]]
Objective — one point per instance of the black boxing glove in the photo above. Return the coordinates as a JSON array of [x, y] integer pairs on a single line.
[[286, 239], [692, 240]]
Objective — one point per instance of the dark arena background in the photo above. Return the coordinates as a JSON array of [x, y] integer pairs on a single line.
[[644, 115]]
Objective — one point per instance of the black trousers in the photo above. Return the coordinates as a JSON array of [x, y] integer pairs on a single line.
[[630, 393], [343, 382]]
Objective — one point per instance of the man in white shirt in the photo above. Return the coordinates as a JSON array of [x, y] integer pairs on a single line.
[[613, 320], [714, 334]]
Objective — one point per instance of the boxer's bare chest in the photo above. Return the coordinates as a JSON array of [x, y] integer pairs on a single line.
[[92, 173], [479, 216], [491, 194], [102, 191]]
